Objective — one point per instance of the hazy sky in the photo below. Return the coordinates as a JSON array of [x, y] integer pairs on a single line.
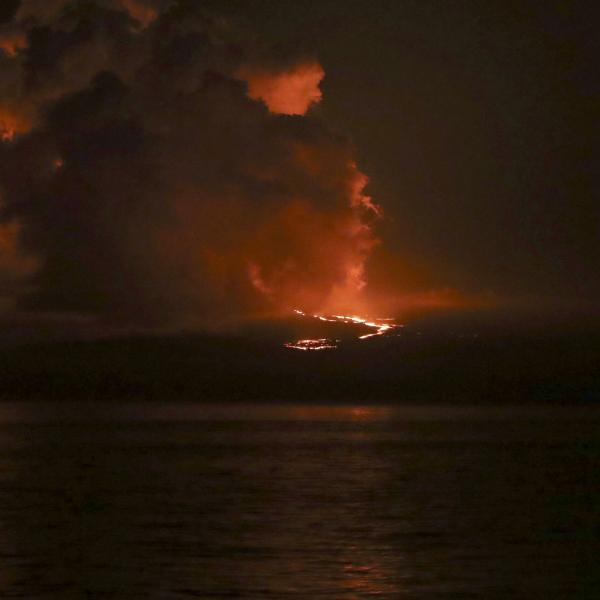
[[475, 122]]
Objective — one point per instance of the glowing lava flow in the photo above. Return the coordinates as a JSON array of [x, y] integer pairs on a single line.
[[379, 327], [318, 344]]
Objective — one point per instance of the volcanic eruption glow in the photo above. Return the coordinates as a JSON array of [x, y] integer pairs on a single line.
[[11, 125], [291, 91], [7, 129], [379, 327], [318, 344], [139, 11], [12, 43], [164, 179]]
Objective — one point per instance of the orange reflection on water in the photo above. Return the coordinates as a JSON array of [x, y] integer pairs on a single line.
[[309, 412], [364, 412], [369, 579]]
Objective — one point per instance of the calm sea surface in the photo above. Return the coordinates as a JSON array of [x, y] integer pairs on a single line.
[[299, 502]]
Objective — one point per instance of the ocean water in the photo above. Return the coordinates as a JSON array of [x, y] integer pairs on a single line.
[[176, 502]]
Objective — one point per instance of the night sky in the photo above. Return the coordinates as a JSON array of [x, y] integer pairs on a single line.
[[299, 298], [473, 121]]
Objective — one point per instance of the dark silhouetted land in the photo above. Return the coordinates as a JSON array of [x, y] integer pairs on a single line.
[[417, 365]]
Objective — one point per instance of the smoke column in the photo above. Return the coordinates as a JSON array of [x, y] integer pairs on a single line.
[[158, 166]]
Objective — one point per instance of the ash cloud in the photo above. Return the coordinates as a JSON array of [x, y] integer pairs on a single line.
[[142, 181]]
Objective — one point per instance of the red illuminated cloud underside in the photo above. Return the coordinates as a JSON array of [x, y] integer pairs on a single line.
[[291, 91]]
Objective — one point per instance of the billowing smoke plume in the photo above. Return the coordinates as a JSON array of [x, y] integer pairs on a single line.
[[157, 167]]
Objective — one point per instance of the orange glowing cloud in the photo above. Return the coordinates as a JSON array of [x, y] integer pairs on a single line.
[[291, 91], [358, 198], [311, 256], [12, 262], [11, 124], [140, 12], [248, 213], [12, 42], [305, 257], [403, 285]]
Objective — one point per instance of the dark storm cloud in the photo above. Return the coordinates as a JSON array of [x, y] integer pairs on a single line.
[[141, 183], [8, 10], [138, 177]]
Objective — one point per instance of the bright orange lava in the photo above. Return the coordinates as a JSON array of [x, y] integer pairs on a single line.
[[379, 327], [318, 344]]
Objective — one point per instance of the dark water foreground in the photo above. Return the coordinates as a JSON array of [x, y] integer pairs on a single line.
[[299, 502]]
